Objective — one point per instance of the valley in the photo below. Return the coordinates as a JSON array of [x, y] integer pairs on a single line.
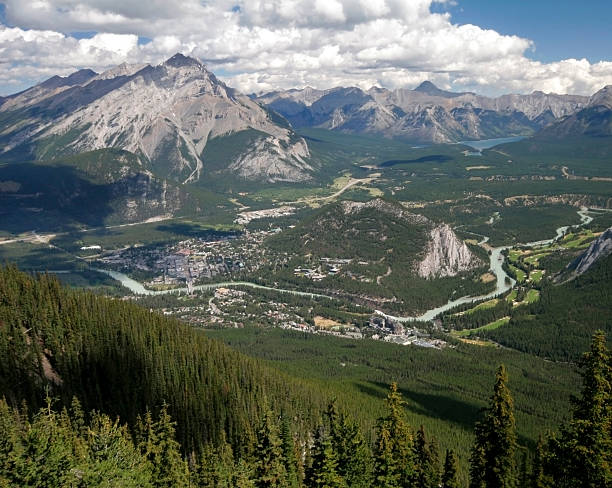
[[296, 246]]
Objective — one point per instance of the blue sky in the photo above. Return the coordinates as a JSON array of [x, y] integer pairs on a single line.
[[560, 29], [487, 46]]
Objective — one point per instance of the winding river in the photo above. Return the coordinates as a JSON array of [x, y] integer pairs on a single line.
[[496, 261]]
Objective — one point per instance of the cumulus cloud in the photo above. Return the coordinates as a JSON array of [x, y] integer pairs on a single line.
[[260, 45]]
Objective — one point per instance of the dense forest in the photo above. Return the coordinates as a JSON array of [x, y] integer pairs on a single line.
[[99, 392], [121, 359]]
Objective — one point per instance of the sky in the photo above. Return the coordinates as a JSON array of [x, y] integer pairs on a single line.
[[487, 46]]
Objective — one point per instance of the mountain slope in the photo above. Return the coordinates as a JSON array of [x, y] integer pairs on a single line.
[[600, 248], [165, 114], [594, 120], [93, 189], [560, 324], [426, 114], [122, 359]]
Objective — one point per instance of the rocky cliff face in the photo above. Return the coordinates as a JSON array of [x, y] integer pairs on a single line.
[[446, 255], [593, 120], [426, 113], [165, 114], [599, 249]]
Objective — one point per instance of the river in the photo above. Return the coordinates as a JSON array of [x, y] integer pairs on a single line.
[[496, 261]]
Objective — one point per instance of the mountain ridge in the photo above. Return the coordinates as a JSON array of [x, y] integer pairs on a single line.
[[424, 114]]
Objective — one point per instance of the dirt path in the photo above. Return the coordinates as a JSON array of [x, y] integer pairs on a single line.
[[379, 278]]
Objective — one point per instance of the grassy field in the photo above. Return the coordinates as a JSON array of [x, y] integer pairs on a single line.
[[491, 326]]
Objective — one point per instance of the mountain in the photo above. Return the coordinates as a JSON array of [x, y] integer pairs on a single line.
[[165, 114], [446, 254], [380, 253], [600, 248], [594, 120], [378, 229], [429, 88], [425, 114]]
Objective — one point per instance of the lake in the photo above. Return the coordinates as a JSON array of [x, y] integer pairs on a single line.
[[489, 143]]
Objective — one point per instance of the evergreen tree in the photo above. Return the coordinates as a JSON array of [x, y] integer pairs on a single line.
[[324, 470], [269, 464], [215, 467], [289, 456], [582, 454], [113, 458], [394, 455], [427, 470], [386, 469], [493, 464], [478, 457], [450, 474], [156, 440], [352, 452], [538, 478]]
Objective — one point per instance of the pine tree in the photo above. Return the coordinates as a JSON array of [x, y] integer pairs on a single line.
[[352, 453], [289, 457], [386, 470], [156, 440], [113, 458], [450, 474], [493, 464], [324, 470], [394, 456], [582, 454], [538, 478], [169, 468], [270, 469], [427, 470]]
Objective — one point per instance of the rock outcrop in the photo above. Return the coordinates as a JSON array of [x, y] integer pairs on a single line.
[[599, 249], [446, 255]]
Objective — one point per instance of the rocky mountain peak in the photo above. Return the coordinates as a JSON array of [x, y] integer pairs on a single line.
[[166, 114], [602, 97], [76, 78], [181, 61], [427, 87]]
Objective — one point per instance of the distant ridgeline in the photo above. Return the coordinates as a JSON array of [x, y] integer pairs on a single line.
[[240, 424]]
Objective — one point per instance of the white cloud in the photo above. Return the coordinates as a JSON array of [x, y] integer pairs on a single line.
[[268, 44]]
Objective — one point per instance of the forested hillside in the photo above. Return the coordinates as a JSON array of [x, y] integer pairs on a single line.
[[121, 359]]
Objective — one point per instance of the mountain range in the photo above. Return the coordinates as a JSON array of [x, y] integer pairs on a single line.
[[185, 125], [425, 114]]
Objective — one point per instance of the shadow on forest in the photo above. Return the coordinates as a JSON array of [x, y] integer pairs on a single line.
[[438, 406], [434, 158], [49, 198], [195, 230]]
